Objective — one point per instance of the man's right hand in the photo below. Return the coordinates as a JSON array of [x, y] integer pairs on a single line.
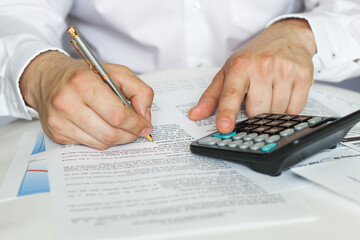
[[77, 107]]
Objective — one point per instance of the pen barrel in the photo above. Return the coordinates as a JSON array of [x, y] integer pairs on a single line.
[[84, 50], [100, 70], [117, 91], [90, 56]]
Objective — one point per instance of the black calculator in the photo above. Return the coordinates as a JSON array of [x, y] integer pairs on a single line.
[[270, 143]]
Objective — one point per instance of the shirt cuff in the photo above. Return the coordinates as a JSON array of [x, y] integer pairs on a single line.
[[335, 45], [17, 64]]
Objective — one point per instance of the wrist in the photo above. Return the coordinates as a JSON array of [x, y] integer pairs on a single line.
[[31, 78], [300, 33]]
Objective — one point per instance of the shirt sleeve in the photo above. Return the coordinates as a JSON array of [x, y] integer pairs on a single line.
[[28, 28], [336, 28]]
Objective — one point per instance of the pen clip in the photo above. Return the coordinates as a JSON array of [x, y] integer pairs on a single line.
[[80, 51]]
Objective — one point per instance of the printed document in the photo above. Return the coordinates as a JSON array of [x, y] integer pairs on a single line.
[[148, 189], [342, 176]]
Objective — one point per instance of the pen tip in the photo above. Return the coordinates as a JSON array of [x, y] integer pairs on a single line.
[[150, 138]]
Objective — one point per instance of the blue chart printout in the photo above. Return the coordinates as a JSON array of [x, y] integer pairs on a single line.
[[36, 176], [28, 172]]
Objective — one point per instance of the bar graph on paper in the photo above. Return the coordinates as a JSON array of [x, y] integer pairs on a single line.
[[35, 178]]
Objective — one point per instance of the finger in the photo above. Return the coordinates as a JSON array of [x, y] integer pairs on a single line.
[[209, 99], [134, 89], [259, 96], [56, 136], [235, 86], [299, 95], [96, 127], [102, 100], [69, 105], [63, 131], [281, 95]]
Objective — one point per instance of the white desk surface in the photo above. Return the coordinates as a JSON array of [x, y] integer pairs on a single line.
[[31, 218]]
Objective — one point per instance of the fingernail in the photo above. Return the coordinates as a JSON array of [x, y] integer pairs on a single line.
[[224, 123], [145, 132], [148, 114]]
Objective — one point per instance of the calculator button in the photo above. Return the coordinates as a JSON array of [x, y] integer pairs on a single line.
[[288, 117], [273, 138], [239, 135], [251, 120], [209, 141], [288, 124], [268, 147], [301, 126], [260, 129], [261, 137], [274, 123], [275, 116], [287, 132], [264, 115], [274, 130], [250, 136], [301, 118], [245, 145], [248, 128], [224, 142], [235, 143], [262, 122], [224, 136], [257, 146], [314, 120]]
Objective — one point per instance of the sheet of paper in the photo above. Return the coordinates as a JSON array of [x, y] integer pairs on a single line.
[[28, 171], [342, 176], [352, 139], [328, 155], [149, 189], [146, 188]]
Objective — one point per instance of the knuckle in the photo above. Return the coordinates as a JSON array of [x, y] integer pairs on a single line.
[[231, 92], [128, 138], [60, 139], [117, 118], [240, 62], [208, 94], [78, 79], [109, 138], [265, 64], [61, 102], [306, 74], [148, 92], [54, 123], [286, 68]]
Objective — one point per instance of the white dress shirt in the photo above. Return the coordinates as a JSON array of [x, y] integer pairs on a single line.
[[160, 34]]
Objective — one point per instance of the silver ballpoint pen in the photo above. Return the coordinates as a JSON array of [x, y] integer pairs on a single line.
[[83, 49]]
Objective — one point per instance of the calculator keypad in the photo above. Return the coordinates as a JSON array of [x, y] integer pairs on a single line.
[[262, 133]]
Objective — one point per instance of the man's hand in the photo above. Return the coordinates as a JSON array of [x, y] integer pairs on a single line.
[[77, 107], [273, 72]]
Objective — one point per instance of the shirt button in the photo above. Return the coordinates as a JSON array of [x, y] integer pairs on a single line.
[[196, 6]]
